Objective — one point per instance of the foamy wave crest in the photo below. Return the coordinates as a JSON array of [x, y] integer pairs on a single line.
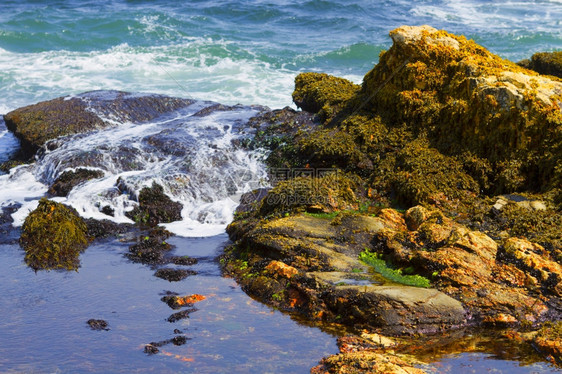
[[199, 68]]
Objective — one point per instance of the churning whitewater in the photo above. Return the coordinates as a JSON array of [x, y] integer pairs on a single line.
[[191, 152]]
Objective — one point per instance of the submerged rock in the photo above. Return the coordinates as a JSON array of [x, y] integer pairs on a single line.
[[173, 275], [53, 236], [70, 179], [34, 125], [151, 249], [181, 315]]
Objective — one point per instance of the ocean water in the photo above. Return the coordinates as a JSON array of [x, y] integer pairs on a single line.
[[232, 52]]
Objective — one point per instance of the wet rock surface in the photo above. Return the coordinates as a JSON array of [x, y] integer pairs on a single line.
[[155, 207], [69, 179], [34, 125], [308, 264]]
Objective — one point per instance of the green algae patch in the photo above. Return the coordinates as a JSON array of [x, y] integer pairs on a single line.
[[395, 275], [53, 236]]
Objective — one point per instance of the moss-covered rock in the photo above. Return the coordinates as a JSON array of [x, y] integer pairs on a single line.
[[465, 99], [549, 63], [322, 93], [53, 237], [328, 193], [495, 126], [549, 341], [418, 174], [367, 361], [34, 125]]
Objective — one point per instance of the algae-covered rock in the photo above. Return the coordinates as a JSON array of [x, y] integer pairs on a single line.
[[322, 93], [464, 98], [549, 63], [310, 264], [53, 237], [328, 193], [438, 116], [155, 207], [549, 341], [35, 124], [71, 178], [366, 361]]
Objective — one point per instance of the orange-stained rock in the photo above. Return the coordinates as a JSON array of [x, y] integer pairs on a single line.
[[176, 302], [549, 341], [415, 216], [393, 218], [365, 362], [500, 319], [281, 269], [536, 260]]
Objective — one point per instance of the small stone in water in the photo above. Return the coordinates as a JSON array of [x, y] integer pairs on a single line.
[[98, 324]]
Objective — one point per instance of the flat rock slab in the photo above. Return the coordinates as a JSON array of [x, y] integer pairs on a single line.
[[395, 308]]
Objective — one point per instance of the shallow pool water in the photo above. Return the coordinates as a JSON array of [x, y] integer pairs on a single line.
[[44, 322], [44, 319]]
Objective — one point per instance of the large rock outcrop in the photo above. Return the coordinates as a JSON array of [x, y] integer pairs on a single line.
[[455, 158], [439, 117]]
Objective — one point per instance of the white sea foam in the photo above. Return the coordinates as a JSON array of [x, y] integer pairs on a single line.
[[192, 157], [189, 69], [490, 16]]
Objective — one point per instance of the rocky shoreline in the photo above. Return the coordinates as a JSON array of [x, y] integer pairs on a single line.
[[425, 203], [445, 174]]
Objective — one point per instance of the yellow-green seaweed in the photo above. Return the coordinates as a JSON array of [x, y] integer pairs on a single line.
[[53, 236]]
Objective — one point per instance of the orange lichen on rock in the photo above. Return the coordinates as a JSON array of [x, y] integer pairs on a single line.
[[176, 302], [278, 268]]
